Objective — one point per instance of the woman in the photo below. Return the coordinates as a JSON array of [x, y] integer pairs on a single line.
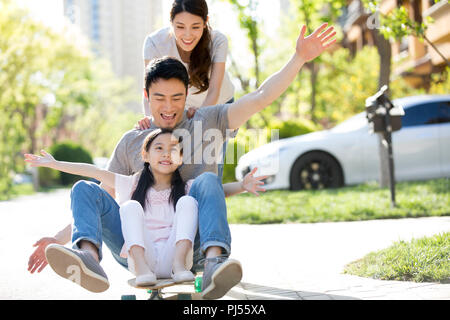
[[203, 52]]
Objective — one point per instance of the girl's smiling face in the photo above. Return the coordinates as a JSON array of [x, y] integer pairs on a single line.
[[188, 29], [164, 155]]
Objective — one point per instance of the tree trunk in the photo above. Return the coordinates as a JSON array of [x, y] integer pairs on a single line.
[[256, 57], [313, 90]]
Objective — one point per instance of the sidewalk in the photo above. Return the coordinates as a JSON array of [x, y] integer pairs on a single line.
[[291, 261]]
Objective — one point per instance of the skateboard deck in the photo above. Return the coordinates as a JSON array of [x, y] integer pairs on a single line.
[[179, 291]]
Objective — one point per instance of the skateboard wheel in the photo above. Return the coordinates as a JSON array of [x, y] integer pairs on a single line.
[[198, 284], [129, 297]]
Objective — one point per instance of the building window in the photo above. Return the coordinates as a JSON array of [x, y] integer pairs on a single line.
[[95, 31]]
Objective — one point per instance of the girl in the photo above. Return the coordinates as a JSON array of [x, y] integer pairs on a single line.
[[202, 51], [159, 219]]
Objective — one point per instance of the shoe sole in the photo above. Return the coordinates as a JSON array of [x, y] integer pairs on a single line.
[[224, 278], [70, 266]]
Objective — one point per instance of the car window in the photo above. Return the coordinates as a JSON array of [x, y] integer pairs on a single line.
[[444, 112], [425, 114]]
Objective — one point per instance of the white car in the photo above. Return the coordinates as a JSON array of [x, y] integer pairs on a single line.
[[348, 153]]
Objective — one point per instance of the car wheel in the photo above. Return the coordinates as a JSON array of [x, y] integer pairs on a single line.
[[316, 170]]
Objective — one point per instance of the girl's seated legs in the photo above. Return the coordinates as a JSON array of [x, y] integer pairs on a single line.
[[132, 219]]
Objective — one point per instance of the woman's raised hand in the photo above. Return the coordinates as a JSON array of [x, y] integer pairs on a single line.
[[46, 160], [144, 123], [253, 184], [313, 45]]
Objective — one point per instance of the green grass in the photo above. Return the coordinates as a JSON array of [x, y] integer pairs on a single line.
[[27, 189], [421, 260], [362, 202], [18, 190]]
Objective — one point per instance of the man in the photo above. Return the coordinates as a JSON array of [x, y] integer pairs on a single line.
[[96, 214]]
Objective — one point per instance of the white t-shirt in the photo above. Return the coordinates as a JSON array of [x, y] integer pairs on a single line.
[[162, 43]]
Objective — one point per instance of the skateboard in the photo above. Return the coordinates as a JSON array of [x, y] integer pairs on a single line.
[[178, 291]]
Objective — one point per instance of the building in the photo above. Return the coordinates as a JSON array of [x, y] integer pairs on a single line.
[[413, 59], [117, 29]]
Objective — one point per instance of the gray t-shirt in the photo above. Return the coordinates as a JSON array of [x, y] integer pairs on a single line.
[[203, 138]]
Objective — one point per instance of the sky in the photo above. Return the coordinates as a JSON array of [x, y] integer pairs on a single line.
[[51, 12]]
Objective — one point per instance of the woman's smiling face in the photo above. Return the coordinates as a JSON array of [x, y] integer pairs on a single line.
[[188, 29]]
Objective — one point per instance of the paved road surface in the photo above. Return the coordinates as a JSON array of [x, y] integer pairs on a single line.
[[291, 261]]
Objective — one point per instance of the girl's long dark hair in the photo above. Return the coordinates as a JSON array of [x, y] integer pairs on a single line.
[[147, 180], [200, 60]]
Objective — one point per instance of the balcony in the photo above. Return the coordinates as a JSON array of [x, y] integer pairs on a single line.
[[438, 32]]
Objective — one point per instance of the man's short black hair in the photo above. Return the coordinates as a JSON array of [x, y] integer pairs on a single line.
[[165, 68]]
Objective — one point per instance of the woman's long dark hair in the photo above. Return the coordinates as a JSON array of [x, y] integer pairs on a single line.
[[200, 60], [147, 180]]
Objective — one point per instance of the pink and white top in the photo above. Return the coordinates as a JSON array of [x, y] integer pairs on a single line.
[[158, 213]]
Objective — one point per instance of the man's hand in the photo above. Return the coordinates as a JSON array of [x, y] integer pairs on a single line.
[[253, 184], [37, 260], [313, 45]]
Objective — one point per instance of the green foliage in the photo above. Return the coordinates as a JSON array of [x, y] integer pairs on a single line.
[[66, 151], [397, 23], [49, 83], [420, 260], [291, 128]]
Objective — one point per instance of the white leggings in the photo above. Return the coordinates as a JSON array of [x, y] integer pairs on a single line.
[[159, 255]]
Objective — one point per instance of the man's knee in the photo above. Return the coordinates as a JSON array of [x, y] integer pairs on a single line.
[[84, 187], [206, 178]]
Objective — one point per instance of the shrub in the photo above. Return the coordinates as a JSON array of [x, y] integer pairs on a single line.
[[66, 151], [294, 127]]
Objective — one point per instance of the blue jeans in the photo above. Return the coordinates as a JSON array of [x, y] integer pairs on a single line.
[[97, 219]]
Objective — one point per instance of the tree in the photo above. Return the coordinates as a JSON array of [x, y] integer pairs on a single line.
[[46, 83]]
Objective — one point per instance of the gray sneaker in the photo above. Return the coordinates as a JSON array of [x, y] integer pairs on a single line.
[[220, 275], [77, 266]]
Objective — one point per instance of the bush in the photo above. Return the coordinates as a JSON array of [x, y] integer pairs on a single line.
[[66, 151], [291, 128]]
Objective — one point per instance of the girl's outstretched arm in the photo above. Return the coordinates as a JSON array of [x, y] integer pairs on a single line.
[[249, 183], [82, 169]]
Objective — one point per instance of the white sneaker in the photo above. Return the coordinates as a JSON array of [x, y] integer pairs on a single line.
[[183, 276], [144, 280]]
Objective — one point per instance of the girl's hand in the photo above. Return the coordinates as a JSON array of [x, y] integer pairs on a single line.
[[252, 184], [37, 161], [37, 260], [313, 45]]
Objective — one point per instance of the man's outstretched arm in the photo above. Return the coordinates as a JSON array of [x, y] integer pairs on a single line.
[[307, 48]]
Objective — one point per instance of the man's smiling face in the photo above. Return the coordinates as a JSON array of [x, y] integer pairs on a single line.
[[167, 100]]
